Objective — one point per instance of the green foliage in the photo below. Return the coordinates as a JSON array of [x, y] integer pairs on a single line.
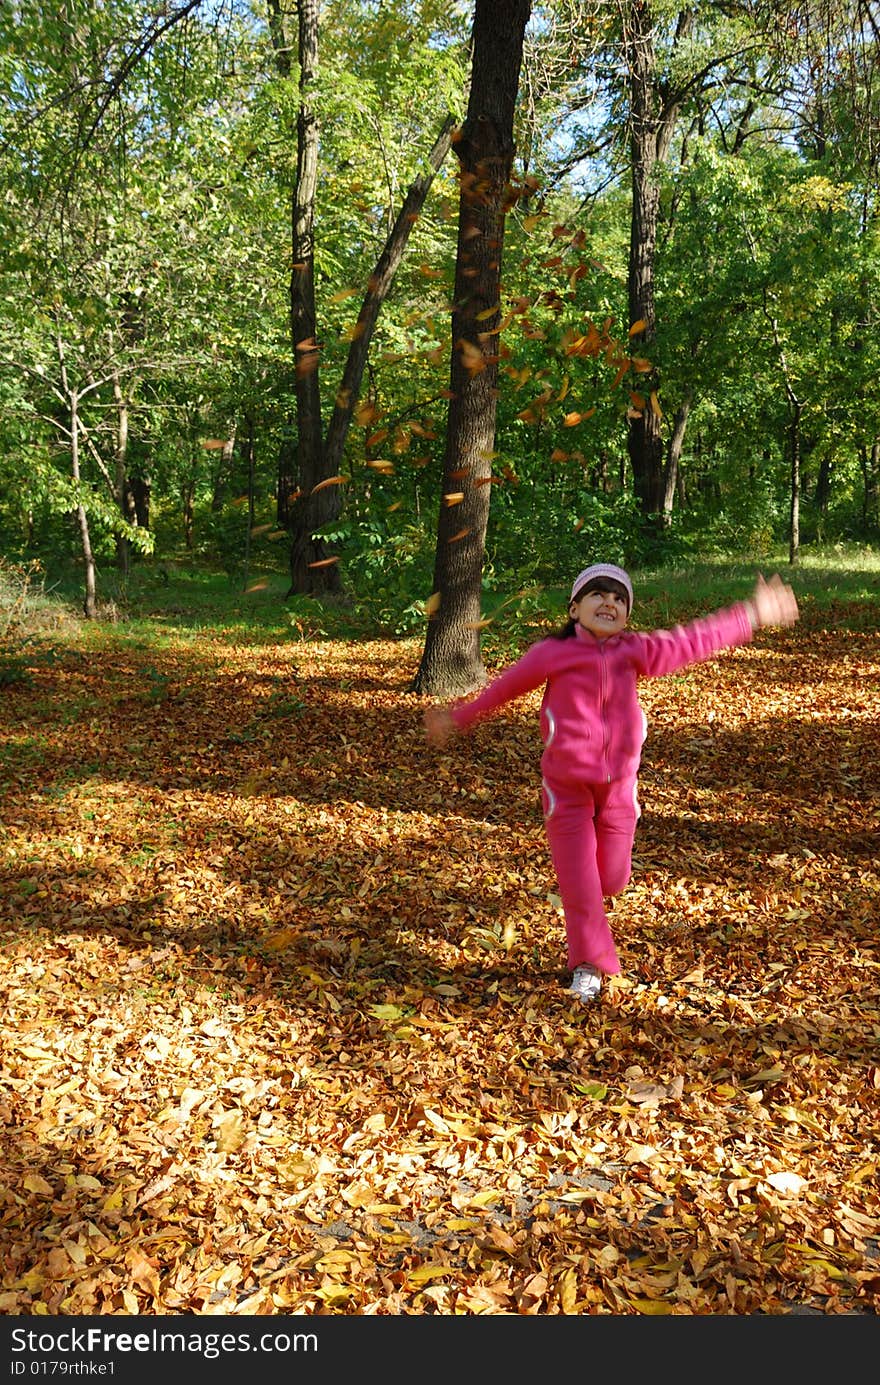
[[388, 570], [155, 256]]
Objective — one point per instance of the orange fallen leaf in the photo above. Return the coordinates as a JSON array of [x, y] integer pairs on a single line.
[[329, 481]]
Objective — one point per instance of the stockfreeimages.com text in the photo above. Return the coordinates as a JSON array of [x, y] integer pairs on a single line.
[[211, 1345]]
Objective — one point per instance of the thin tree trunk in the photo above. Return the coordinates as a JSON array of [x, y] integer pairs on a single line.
[[823, 482], [796, 407], [223, 474], [451, 662], [90, 604], [71, 396], [312, 564], [249, 460], [673, 456], [302, 508], [141, 486], [250, 463], [123, 545], [380, 282], [286, 488], [652, 122], [644, 441], [794, 442], [870, 464], [186, 498]]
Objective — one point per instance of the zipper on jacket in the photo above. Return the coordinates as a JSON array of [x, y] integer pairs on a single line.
[[603, 689]]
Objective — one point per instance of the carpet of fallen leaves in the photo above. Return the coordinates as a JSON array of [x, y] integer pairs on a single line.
[[283, 1021]]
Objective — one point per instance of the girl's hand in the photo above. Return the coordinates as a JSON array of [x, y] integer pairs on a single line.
[[439, 726], [773, 603]]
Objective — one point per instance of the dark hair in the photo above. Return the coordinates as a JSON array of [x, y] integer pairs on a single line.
[[607, 586]]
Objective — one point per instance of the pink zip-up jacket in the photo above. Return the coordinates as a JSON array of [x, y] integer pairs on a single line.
[[592, 724]]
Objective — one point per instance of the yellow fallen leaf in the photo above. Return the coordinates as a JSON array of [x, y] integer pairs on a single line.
[[484, 1197], [386, 1012], [764, 1076], [281, 939], [597, 1091], [36, 1183], [437, 1121], [503, 1240], [422, 1274], [567, 1288], [230, 1133]]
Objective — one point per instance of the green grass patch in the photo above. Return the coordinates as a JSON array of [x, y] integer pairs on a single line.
[[173, 606]]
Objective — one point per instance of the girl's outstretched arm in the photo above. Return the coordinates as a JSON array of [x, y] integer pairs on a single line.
[[772, 603]]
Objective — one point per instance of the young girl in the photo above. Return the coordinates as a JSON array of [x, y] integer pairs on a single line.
[[593, 729]]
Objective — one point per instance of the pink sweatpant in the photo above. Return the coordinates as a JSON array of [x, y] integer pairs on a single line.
[[590, 828]]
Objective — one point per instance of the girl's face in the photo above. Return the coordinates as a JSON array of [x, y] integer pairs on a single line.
[[600, 610]]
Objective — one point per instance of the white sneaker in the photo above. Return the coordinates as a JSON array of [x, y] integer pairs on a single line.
[[586, 983]]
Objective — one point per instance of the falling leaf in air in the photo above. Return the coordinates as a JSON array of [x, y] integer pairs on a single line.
[[329, 481]]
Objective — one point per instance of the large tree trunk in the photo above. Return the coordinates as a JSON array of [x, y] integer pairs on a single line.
[[451, 662]]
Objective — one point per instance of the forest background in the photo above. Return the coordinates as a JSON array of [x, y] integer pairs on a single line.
[[685, 345], [283, 1028]]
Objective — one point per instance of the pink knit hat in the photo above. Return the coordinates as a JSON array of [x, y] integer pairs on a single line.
[[603, 570]]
